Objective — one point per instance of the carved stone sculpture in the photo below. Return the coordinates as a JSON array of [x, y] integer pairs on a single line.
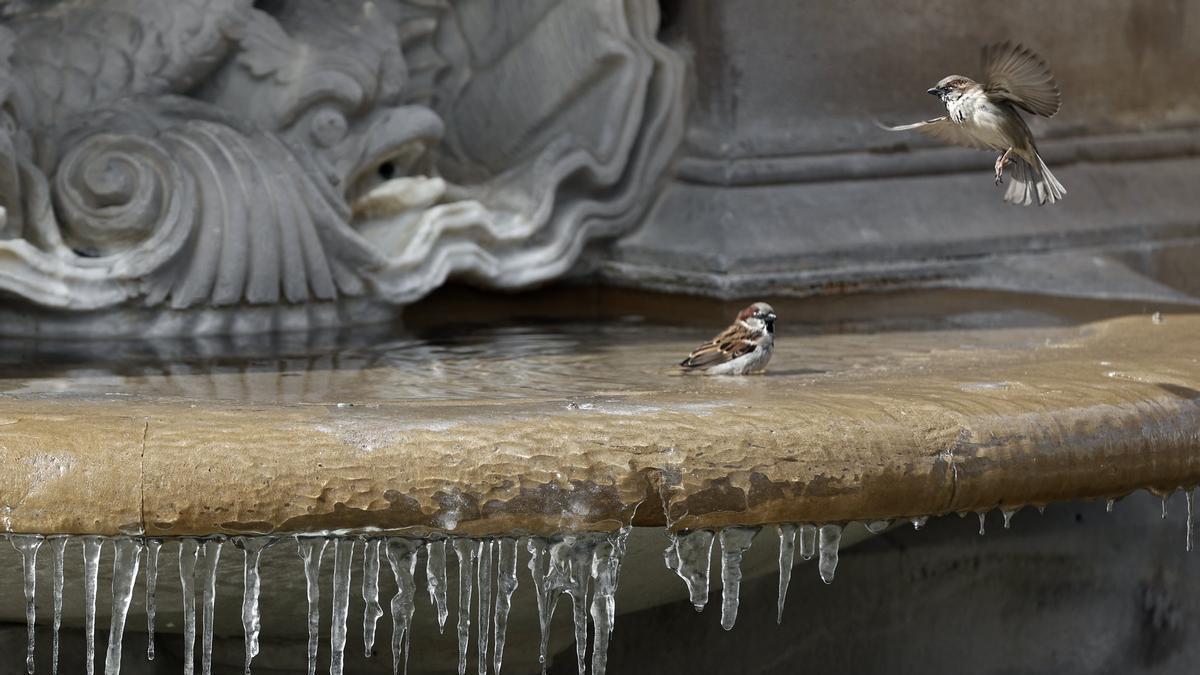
[[159, 161]]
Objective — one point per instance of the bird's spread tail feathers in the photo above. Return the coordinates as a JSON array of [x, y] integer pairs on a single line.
[[1032, 186]]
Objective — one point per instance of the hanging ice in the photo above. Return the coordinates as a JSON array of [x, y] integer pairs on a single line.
[[1108, 505], [343, 558], [189, 551], [506, 583], [735, 541], [127, 553], [370, 593], [402, 557], [28, 545], [58, 546], [982, 520], [311, 550], [484, 555], [606, 569], [1187, 495], [465, 551], [91, 570], [1008, 516], [787, 557], [569, 572], [690, 556], [878, 526], [545, 603], [831, 538], [919, 522], [152, 548], [435, 579], [808, 541], [208, 577], [252, 548]]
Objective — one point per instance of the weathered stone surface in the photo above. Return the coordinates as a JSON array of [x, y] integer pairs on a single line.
[[786, 183], [842, 428]]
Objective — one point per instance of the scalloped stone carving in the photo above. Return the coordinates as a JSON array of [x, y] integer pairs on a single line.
[[165, 158]]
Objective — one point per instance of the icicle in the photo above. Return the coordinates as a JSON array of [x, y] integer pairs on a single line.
[[402, 557], [808, 541], [127, 554], [208, 596], [506, 583], [343, 558], [152, 548], [91, 571], [1188, 497], [311, 550], [787, 557], [484, 579], [1008, 516], [689, 555], [735, 541], [545, 603], [919, 522], [1041, 510], [58, 546], [569, 572], [982, 520], [878, 526], [831, 538], [1164, 498], [370, 593], [252, 548], [28, 545], [1108, 505], [189, 551], [435, 579], [465, 551], [606, 568]]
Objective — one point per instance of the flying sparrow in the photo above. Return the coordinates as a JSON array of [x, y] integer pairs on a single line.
[[745, 347], [985, 116]]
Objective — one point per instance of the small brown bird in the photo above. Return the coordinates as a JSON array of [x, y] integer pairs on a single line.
[[744, 347], [985, 116]]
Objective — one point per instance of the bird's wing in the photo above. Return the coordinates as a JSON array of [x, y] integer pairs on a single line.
[[1015, 74], [945, 130], [734, 342]]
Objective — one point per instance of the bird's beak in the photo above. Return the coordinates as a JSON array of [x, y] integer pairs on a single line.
[[934, 91], [771, 316]]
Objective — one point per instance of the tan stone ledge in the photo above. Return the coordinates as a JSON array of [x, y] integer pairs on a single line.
[[895, 425]]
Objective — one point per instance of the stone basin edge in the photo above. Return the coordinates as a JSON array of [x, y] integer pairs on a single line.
[[894, 449]]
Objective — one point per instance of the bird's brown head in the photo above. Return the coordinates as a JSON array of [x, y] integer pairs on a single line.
[[759, 311], [951, 87]]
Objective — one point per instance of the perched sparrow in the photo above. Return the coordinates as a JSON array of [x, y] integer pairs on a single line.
[[985, 116], [744, 347]]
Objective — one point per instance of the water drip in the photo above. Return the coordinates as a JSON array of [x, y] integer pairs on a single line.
[[127, 555], [787, 556], [370, 594], [831, 539], [735, 541], [689, 555]]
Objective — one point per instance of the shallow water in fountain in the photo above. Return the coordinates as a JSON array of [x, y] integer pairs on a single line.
[[572, 361]]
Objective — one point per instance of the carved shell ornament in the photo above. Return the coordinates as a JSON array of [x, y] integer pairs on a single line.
[[212, 165]]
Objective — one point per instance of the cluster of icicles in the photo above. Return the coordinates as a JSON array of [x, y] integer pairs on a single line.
[[579, 566], [569, 565], [582, 567]]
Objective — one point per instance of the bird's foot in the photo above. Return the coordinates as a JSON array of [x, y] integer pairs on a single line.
[[1001, 162]]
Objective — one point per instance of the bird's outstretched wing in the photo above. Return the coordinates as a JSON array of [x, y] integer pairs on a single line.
[[1014, 73], [734, 342], [945, 130]]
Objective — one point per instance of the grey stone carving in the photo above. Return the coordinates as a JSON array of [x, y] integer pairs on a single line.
[[200, 154]]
